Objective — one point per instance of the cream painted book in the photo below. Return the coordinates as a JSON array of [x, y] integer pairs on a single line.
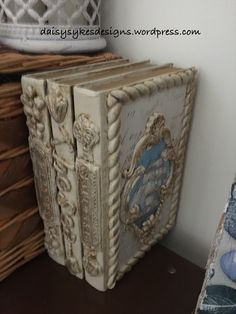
[[47, 137], [65, 145], [131, 134], [40, 140], [75, 69], [61, 111], [117, 141]]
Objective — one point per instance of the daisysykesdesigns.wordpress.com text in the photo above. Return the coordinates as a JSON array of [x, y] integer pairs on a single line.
[[75, 33]]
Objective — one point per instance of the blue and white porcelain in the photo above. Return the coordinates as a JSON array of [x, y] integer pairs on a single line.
[[228, 264], [218, 295], [230, 219]]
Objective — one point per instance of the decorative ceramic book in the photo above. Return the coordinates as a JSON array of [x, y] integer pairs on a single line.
[[113, 144], [38, 121], [41, 124], [64, 153]]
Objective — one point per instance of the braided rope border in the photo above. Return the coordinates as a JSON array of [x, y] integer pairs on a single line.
[[115, 100]]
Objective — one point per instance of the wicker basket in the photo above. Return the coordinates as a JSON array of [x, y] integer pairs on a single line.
[[21, 229]]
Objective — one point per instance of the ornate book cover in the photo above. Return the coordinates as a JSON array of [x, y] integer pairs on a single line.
[[61, 111], [117, 144], [36, 112], [34, 99], [131, 141], [55, 143]]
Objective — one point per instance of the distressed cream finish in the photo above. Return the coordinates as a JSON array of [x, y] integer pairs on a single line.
[[105, 110], [43, 113], [97, 131], [114, 102], [35, 109]]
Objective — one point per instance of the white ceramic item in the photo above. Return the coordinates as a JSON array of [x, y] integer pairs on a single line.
[[51, 26]]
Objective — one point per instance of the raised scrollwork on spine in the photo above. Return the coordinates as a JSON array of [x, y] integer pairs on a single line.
[[33, 106], [68, 215], [68, 224], [88, 175], [42, 164]]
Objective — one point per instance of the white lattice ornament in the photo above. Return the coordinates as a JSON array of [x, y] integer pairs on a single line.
[[51, 25]]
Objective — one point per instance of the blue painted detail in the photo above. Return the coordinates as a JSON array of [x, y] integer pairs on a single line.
[[230, 219], [233, 191], [211, 273], [146, 191], [149, 156], [219, 299], [228, 265]]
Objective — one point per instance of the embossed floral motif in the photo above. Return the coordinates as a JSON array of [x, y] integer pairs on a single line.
[[51, 239], [45, 195], [57, 105], [33, 106], [90, 261], [86, 132], [155, 123]]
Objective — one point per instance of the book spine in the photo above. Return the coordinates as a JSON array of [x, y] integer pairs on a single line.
[[35, 108], [89, 130], [60, 105]]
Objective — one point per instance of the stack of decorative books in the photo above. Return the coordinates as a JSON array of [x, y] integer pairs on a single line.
[[21, 229], [108, 143]]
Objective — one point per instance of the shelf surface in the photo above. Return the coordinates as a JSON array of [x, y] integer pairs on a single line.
[[161, 283]]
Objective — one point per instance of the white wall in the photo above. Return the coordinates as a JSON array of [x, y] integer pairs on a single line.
[[211, 159]]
